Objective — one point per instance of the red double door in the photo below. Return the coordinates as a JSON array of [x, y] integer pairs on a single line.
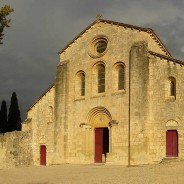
[[171, 143], [42, 155], [101, 143]]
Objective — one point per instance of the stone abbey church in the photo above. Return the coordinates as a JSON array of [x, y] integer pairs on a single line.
[[117, 98]]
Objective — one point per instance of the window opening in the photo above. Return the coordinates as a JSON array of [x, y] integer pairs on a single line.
[[121, 78], [172, 88], [101, 79], [82, 85], [101, 46]]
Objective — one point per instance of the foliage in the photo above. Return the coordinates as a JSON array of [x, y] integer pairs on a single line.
[[4, 22], [14, 119], [3, 117]]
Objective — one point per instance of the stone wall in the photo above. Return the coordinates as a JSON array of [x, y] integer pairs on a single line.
[[15, 149], [139, 101], [165, 109], [40, 119], [77, 143], [62, 120]]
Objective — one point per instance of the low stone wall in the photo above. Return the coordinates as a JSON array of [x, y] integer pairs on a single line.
[[15, 149]]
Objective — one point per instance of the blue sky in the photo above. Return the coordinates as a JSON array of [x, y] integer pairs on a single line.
[[41, 28]]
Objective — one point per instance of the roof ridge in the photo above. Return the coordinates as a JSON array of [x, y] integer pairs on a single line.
[[148, 30], [124, 24]]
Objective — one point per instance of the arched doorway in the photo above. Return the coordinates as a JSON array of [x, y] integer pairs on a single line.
[[99, 118], [171, 143]]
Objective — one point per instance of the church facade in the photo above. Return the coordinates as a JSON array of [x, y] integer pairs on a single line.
[[117, 98]]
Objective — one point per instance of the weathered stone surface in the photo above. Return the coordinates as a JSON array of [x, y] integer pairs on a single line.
[[15, 149], [137, 117]]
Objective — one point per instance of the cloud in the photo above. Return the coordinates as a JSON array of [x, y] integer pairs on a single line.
[[41, 28], [172, 35]]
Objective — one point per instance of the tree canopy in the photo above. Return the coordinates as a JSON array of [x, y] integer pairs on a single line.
[[4, 21]]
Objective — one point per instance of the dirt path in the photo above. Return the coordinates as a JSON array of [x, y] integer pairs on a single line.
[[169, 172]]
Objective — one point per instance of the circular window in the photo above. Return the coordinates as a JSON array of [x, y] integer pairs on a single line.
[[98, 46], [101, 46]]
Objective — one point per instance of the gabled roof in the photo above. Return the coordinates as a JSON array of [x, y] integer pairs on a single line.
[[148, 30]]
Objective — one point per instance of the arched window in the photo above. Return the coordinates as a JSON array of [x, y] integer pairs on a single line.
[[79, 84], [172, 86], [82, 88], [50, 114], [101, 79], [118, 77], [121, 77]]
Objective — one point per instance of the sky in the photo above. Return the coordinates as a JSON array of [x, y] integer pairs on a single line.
[[41, 28]]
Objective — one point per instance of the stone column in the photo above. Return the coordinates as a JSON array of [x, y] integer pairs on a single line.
[[61, 111], [139, 107]]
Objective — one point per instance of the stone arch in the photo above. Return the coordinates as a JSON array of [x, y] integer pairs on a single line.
[[92, 49], [118, 81], [95, 65], [80, 84], [99, 117], [171, 123], [96, 87], [50, 114], [171, 87]]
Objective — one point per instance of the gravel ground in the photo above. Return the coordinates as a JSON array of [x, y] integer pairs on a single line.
[[171, 172]]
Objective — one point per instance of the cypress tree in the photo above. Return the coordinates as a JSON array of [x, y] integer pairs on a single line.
[[14, 118], [3, 117], [1, 128]]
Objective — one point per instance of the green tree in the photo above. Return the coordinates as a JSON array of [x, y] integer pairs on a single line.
[[4, 22], [14, 118], [3, 117]]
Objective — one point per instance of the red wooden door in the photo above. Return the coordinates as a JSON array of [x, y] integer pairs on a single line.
[[98, 145], [42, 155], [171, 143]]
